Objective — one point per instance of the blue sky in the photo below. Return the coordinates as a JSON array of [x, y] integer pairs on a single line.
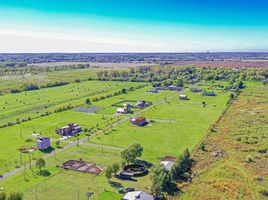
[[133, 26]]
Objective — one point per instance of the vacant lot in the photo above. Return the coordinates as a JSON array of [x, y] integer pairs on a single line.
[[240, 172]]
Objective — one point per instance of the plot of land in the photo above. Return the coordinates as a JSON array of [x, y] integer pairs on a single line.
[[240, 171]]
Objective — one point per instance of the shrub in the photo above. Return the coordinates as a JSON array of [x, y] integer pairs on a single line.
[[249, 159]]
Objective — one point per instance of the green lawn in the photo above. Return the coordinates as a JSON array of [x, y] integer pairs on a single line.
[[34, 103], [178, 125], [15, 136]]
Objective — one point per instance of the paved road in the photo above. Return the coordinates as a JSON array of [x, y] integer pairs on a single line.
[[81, 140]]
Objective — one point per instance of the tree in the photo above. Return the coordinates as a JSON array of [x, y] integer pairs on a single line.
[[130, 154], [40, 163], [180, 83], [88, 101], [161, 182], [108, 172], [182, 167], [15, 196], [115, 167], [3, 196], [124, 91]]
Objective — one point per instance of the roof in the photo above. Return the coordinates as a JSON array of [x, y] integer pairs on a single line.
[[183, 95], [140, 119], [167, 165], [169, 158], [138, 195], [120, 110]]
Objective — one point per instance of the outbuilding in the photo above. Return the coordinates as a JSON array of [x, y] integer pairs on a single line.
[[183, 97], [42, 143], [138, 195]]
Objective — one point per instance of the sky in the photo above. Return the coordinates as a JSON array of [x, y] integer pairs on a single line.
[[133, 25]]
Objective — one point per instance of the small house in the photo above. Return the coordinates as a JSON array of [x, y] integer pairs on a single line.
[[152, 91], [121, 111], [42, 143], [183, 97], [127, 106], [196, 89], [158, 88], [70, 130], [140, 121], [210, 94], [168, 162], [138, 195], [140, 104], [232, 90], [174, 88]]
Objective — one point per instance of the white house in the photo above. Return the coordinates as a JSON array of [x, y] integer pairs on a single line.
[[121, 110], [138, 195]]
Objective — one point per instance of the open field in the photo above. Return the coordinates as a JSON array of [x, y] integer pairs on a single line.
[[177, 125], [19, 135], [241, 135], [181, 123], [34, 103], [94, 64]]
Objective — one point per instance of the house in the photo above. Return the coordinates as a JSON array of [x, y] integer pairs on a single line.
[[70, 130], [141, 103], [196, 89], [138, 195], [152, 91], [174, 88], [121, 110], [168, 162], [233, 90], [183, 97], [127, 106], [158, 88], [140, 121], [42, 143], [210, 94]]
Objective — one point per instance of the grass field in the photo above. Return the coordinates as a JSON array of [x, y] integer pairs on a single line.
[[241, 134], [16, 136], [34, 103], [177, 125]]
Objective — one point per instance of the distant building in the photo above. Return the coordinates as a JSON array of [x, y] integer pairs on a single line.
[[152, 90], [210, 94], [196, 89], [158, 88], [140, 121], [168, 162], [42, 143], [121, 110], [138, 195], [183, 97], [233, 90], [174, 88], [70, 130], [140, 103]]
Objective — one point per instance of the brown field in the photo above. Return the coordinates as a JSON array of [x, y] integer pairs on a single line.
[[94, 64], [234, 164], [224, 64]]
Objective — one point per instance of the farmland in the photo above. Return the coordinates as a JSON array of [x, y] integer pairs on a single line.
[[30, 104], [172, 126], [241, 173]]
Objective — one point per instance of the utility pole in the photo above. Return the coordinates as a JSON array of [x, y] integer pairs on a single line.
[[77, 141], [36, 196]]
